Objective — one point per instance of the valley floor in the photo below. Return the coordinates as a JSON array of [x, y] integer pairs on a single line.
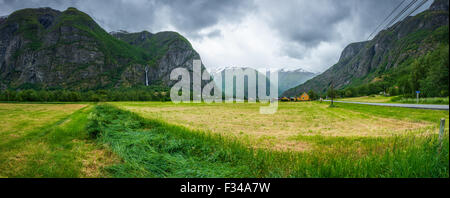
[[162, 139], [396, 99], [414, 106]]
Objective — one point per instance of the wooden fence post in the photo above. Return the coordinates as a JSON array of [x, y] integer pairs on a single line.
[[441, 132]]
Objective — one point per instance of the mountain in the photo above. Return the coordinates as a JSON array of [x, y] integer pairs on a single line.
[[291, 78], [168, 50], [49, 49], [410, 55], [286, 78], [236, 88]]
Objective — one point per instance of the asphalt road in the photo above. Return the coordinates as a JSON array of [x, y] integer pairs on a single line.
[[416, 106]]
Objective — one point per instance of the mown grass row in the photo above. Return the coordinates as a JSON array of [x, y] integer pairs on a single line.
[[59, 149], [151, 148]]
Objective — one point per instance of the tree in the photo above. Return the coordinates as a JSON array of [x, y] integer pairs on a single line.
[[43, 96], [331, 93], [363, 90], [29, 95], [404, 86], [393, 91], [348, 93], [417, 74], [312, 95], [8, 95], [436, 82]]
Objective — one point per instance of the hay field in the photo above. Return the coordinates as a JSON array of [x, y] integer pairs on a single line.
[[48, 140], [291, 120], [16, 119], [162, 139]]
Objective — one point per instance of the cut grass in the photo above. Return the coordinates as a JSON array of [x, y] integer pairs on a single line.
[[148, 143], [58, 149], [154, 149], [16, 119], [243, 121], [151, 148]]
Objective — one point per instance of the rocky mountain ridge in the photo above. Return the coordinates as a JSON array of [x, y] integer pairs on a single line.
[[387, 54], [45, 48]]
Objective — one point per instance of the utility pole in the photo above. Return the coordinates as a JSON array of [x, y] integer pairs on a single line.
[[441, 133], [332, 94]]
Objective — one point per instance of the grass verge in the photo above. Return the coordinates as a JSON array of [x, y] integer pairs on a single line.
[[437, 100], [397, 99]]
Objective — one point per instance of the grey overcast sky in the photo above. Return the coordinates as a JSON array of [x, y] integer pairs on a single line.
[[308, 34]]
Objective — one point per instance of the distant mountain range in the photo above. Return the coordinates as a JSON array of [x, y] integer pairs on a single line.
[[286, 78], [45, 48], [408, 56], [291, 78]]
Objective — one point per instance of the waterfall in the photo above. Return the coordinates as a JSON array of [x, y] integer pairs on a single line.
[[146, 75]]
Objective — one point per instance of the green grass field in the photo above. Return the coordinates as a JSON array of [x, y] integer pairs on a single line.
[[49, 140], [156, 139], [437, 100], [376, 99], [397, 99]]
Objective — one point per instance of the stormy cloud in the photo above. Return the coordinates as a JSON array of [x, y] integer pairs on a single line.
[[308, 34]]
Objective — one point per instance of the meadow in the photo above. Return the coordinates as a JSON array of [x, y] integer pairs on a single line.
[[162, 139], [435, 100], [277, 131], [374, 98], [397, 99], [48, 140]]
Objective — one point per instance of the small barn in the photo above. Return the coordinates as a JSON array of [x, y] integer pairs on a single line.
[[304, 97]]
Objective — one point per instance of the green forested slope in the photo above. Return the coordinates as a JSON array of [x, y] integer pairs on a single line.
[[411, 55]]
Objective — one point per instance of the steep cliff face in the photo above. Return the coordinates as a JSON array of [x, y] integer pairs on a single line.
[[167, 51], [361, 63], [46, 48]]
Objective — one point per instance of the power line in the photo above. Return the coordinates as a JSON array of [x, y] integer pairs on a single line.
[[417, 7], [400, 14], [393, 11]]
